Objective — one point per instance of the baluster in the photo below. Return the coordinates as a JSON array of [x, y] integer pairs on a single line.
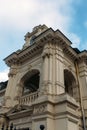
[[32, 97], [28, 99], [35, 96], [21, 101], [24, 100]]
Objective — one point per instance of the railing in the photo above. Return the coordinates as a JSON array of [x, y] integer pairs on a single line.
[[28, 99]]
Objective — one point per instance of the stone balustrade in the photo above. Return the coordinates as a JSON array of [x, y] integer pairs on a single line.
[[28, 99]]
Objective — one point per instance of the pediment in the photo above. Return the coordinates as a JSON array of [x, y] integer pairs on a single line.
[[18, 109]]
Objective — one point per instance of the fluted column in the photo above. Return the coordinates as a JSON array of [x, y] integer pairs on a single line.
[[44, 73], [45, 68], [59, 74], [50, 70], [83, 77], [57, 77]]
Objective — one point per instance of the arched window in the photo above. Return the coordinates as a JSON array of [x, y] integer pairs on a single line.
[[70, 83], [31, 82], [32, 39]]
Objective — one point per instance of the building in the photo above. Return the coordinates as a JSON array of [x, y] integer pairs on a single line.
[[47, 84]]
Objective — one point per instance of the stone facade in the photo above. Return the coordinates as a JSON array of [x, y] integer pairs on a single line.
[[47, 83]]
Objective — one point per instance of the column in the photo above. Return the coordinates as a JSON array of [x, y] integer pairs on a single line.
[[59, 74], [50, 74], [45, 70], [10, 90], [45, 74], [56, 83], [83, 78]]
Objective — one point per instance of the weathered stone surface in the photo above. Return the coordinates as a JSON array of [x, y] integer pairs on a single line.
[[47, 83]]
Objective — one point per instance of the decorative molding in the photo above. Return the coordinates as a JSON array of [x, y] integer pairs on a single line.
[[40, 109], [13, 71]]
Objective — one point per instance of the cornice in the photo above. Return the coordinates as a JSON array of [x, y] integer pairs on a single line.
[[24, 54], [19, 111], [63, 37], [70, 52], [82, 56], [48, 36]]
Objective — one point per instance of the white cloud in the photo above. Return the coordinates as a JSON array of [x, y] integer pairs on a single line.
[[19, 16], [23, 14], [75, 39], [4, 75], [84, 45]]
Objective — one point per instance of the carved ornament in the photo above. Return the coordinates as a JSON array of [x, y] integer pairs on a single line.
[[40, 109]]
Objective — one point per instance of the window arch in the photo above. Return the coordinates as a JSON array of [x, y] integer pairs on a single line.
[[30, 81], [70, 83]]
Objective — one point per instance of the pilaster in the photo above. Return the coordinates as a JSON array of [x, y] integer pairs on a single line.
[[47, 69], [59, 78], [83, 78], [50, 74], [11, 87], [53, 75]]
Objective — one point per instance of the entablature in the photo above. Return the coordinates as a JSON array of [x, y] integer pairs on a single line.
[[82, 57], [46, 37], [24, 54]]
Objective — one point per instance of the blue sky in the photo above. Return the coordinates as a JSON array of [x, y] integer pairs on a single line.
[[17, 17]]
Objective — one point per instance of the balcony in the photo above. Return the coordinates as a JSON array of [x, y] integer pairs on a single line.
[[28, 99]]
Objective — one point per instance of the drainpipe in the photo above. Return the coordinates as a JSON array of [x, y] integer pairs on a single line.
[[80, 96]]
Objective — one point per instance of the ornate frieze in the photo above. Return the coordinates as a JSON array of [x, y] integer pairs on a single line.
[[40, 109], [48, 36]]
